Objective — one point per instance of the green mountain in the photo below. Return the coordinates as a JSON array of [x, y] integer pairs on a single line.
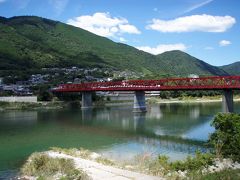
[[178, 62], [30, 43], [233, 68]]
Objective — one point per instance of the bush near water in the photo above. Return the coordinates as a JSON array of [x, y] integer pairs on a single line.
[[226, 138], [43, 167]]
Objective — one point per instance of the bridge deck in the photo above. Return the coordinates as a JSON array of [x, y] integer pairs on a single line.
[[205, 83]]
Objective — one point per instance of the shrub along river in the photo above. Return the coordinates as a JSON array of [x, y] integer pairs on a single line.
[[175, 130]]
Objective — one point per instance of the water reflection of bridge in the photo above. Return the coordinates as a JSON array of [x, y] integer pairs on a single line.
[[142, 127], [16, 117], [175, 124]]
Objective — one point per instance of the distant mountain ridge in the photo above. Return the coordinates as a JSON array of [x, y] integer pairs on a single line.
[[184, 63], [30, 42], [233, 69]]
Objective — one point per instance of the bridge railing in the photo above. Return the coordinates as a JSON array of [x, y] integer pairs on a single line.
[[215, 82]]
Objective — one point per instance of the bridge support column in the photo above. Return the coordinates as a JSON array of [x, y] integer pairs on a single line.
[[139, 102], [227, 101], [86, 99]]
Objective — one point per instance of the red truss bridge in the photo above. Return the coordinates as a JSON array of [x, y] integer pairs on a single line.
[[226, 83], [204, 83]]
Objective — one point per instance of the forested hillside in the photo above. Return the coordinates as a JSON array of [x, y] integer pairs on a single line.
[[30, 43]]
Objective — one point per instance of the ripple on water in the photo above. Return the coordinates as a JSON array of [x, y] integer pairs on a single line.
[[8, 174]]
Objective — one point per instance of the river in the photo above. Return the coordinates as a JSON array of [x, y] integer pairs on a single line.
[[175, 130]]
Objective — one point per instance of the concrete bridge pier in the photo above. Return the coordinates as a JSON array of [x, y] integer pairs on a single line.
[[139, 102], [227, 101], [86, 100]]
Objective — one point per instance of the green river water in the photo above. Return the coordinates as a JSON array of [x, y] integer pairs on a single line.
[[176, 130]]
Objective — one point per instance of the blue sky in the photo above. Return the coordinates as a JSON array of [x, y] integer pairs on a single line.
[[206, 29]]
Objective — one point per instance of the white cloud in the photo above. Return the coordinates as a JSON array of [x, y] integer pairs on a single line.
[[122, 39], [224, 43], [1, 1], [196, 6], [203, 23], [127, 28], [103, 24], [59, 5], [161, 48]]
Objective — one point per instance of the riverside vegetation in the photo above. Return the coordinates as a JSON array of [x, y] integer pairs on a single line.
[[219, 163], [44, 167], [31, 106]]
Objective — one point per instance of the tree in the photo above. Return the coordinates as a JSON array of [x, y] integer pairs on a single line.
[[226, 138], [44, 93], [45, 96]]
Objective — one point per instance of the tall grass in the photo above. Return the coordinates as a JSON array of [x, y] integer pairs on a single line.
[[44, 167]]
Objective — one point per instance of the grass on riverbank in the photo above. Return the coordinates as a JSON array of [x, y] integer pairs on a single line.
[[82, 153], [31, 106], [42, 166], [161, 166], [85, 154], [227, 174], [189, 168]]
